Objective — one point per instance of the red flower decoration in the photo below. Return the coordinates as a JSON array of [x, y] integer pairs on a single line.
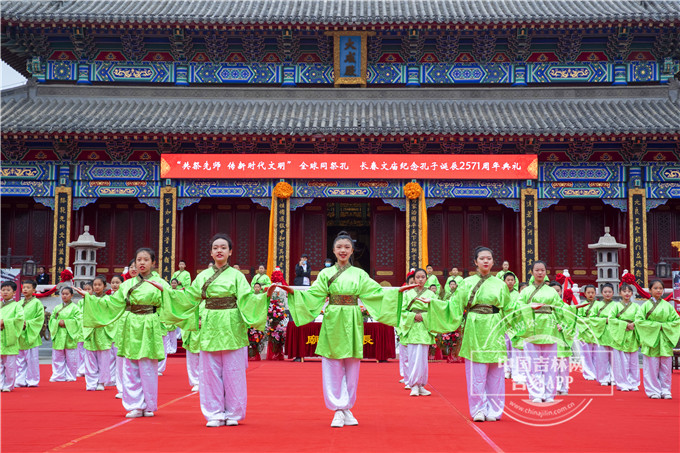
[[66, 275]]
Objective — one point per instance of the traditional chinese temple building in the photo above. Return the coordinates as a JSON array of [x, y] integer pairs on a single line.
[[532, 125]]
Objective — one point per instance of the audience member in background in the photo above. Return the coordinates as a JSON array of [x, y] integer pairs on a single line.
[[302, 272], [43, 277]]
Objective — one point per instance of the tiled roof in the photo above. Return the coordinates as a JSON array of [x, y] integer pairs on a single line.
[[207, 111], [244, 12]]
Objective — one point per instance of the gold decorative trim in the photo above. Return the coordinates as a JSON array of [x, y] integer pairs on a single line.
[[534, 215], [385, 273], [69, 207], [631, 231], [173, 192], [361, 80]]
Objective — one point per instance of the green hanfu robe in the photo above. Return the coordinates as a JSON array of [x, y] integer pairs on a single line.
[[483, 334], [597, 321], [433, 280], [34, 313], [71, 334], [225, 329], [659, 332], [98, 338], [569, 330], [584, 333], [624, 340], [515, 320], [412, 332], [141, 335], [544, 328], [183, 279], [262, 279], [191, 338], [342, 329], [12, 315]]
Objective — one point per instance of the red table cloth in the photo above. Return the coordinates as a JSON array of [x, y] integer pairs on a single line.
[[378, 340]]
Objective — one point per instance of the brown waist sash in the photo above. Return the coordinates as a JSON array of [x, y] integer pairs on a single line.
[[337, 299], [546, 309], [418, 311], [221, 303], [484, 309], [142, 309]]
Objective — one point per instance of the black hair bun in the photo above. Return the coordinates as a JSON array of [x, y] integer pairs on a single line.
[[343, 233]]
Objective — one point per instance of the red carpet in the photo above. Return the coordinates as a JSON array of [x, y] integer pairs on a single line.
[[286, 413]]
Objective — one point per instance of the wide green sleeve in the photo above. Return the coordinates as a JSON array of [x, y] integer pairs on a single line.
[[74, 324], [35, 318], [446, 316], [383, 304], [253, 307], [13, 326], [179, 308], [524, 315], [185, 279], [617, 330], [53, 323], [407, 318], [305, 306], [102, 313], [648, 331], [670, 331]]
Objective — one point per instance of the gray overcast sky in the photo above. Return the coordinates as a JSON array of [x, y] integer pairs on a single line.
[[10, 78]]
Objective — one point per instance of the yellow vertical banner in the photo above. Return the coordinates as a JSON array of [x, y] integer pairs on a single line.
[[168, 232], [63, 202], [637, 228], [424, 259], [278, 249], [529, 213]]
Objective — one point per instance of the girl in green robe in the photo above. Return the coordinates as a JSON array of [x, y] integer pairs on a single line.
[[66, 329], [483, 303], [545, 316], [11, 324], [626, 366], [416, 335], [513, 343], [597, 321], [97, 343], [587, 342], [341, 337], [230, 309], [141, 336], [658, 326]]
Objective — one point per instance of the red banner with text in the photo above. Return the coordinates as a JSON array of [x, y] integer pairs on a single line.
[[349, 166]]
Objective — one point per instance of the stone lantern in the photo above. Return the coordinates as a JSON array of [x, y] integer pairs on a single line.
[[85, 264], [607, 250]]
